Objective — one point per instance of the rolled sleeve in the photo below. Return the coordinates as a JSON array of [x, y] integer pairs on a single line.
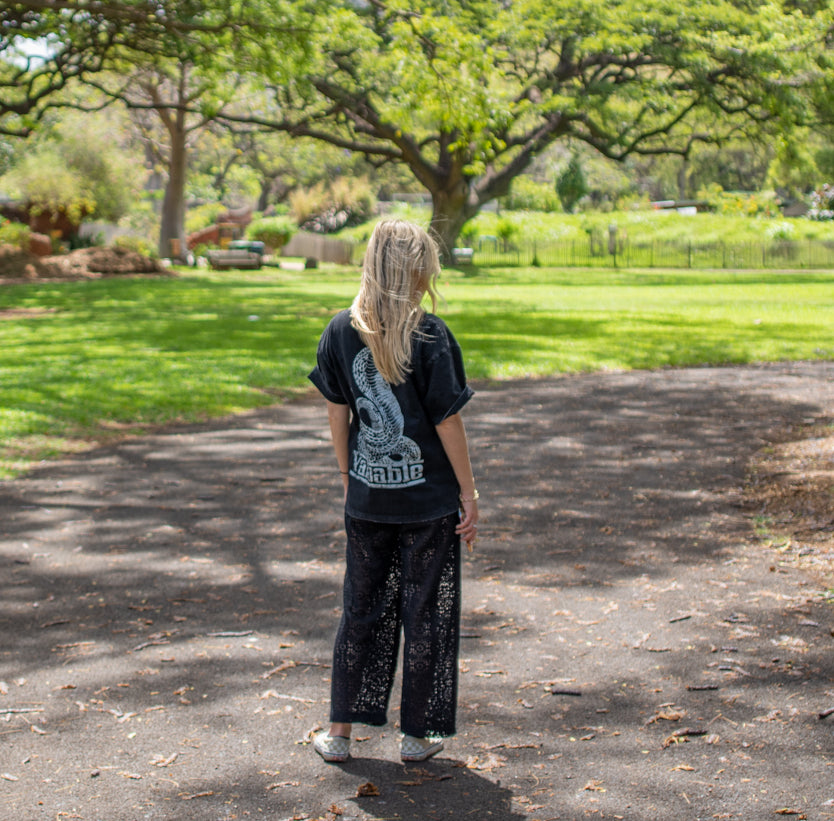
[[325, 376], [446, 391]]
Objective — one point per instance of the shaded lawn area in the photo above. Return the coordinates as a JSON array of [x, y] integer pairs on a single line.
[[86, 360]]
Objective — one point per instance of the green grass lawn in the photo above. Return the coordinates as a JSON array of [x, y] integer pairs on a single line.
[[84, 361]]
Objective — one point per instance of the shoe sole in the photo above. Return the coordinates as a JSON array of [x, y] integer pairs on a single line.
[[332, 758], [421, 756]]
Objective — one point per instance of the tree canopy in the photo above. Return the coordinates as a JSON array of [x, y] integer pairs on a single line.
[[46, 45], [466, 93]]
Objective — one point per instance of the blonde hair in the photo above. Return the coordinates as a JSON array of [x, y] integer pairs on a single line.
[[400, 268]]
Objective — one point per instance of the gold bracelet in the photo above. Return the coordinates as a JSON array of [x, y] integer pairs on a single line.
[[475, 497]]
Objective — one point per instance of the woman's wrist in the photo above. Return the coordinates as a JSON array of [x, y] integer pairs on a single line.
[[472, 496]]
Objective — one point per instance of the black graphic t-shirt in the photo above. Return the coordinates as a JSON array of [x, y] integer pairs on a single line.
[[399, 471]]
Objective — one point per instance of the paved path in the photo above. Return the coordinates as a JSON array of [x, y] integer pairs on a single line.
[[630, 650]]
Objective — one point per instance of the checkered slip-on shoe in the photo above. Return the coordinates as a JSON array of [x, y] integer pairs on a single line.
[[332, 748], [419, 749]]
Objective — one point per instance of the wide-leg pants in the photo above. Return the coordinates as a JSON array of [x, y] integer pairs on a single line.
[[399, 577]]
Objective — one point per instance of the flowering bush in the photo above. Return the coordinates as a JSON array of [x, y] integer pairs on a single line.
[[822, 203], [14, 233], [739, 203]]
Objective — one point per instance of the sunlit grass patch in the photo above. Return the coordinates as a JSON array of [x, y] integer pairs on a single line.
[[87, 359]]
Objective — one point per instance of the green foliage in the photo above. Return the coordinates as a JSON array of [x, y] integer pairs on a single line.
[[273, 232], [78, 166], [43, 179], [467, 94], [528, 195], [736, 203], [93, 42], [507, 230], [571, 185], [141, 245], [203, 216], [781, 231], [468, 234], [14, 233], [824, 159], [793, 169]]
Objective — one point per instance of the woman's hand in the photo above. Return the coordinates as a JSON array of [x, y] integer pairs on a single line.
[[467, 529]]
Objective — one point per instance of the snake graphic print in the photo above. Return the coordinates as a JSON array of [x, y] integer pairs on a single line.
[[384, 457]]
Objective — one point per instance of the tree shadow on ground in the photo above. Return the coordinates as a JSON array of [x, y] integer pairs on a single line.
[[178, 594]]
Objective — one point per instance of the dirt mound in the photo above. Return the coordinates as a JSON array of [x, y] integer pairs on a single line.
[[85, 262], [18, 264]]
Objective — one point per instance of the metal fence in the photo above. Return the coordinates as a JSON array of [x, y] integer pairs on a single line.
[[593, 253]]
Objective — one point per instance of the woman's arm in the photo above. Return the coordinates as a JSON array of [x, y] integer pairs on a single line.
[[453, 438], [339, 418]]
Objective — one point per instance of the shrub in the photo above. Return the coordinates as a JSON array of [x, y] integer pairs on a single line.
[[822, 203], [468, 234], [739, 203], [781, 231], [327, 209], [203, 216], [507, 231], [273, 232], [140, 245], [528, 195], [14, 233], [571, 185]]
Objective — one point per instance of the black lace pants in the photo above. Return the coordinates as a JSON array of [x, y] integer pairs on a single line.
[[399, 577]]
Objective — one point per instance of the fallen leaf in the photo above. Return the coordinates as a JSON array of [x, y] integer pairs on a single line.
[[683, 768], [308, 736], [367, 789], [666, 715], [486, 762], [594, 785]]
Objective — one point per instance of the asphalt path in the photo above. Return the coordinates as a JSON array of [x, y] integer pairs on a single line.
[[630, 648]]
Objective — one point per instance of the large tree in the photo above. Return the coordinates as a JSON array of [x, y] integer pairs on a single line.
[[47, 45], [466, 93], [177, 60], [171, 103]]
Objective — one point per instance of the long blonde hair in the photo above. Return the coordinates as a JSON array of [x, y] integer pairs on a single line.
[[401, 267]]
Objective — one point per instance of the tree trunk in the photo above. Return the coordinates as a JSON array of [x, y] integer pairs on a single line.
[[172, 240], [265, 194], [450, 212]]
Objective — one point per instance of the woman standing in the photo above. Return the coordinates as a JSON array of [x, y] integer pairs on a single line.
[[393, 378]]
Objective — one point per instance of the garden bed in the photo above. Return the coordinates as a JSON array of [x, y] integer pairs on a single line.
[[16, 264]]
